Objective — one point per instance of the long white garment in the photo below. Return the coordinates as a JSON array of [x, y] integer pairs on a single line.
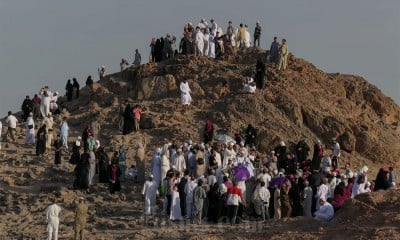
[[45, 103], [199, 41], [150, 196], [206, 44], [156, 168], [92, 170], [242, 186], [308, 196], [64, 134], [186, 99], [189, 188], [228, 154], [53, 102], [211, 50], [30, 132], [326, 212], [322, 192], [176, 213], [247, 40], [180, 164], [52, 213], [165, 163]]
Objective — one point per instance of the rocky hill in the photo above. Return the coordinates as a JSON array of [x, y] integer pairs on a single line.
[[300, 102]]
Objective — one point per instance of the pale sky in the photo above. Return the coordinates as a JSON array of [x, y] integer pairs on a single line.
[[46, 42]]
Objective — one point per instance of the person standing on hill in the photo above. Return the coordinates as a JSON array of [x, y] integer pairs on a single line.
[[317, 155], [260, 74], [229, 32], [11, 121], [140, 161], [257, 34], [283, 54], [96, 127], [186, 99], [150, 193], [274, 51], [36, 106], [30, 130], [58, 150], [208, 131], [64, 129], [81, 214], [49, 122], [41, 141], [76, 87], [138, 58], [102, 72], [137, 112], [335, 153], [69, 87], [128, 120], [199, 42], [52, 217], [26, 107]]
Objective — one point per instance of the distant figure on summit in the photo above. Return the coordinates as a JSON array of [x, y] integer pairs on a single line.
[[102, 72], [257, 34], [75, 87], [283, 54], [274, 51], [69, 88], [138, 58]]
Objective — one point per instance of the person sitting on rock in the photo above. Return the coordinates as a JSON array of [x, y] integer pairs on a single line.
[[325, 212]]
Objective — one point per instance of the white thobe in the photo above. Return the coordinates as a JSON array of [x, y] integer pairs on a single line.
[[176, 213], [165, 165], [228, 154], [206, 41], [322, 192], [30, 133], [180, 164], [199, 41], [45, 103], [186, 99], [156, 168], [52, 213], [189, 188], [150, 196], [211, 50]]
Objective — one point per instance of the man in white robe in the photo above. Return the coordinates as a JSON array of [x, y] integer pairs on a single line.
[[206, 41], [214, 27], [52, 217], [322, 192], [176, 213], [179, 163], [64, 129], [150, 193], [190, 186], [229, 153], [199, 42], [53, 102], [30, 130], [165, 162], [156, 166], [45, 96], [186, 99], [325, 212], [211, 50]]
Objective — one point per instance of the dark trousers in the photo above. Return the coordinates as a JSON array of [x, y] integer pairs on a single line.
[[232, 213], [169, 202]]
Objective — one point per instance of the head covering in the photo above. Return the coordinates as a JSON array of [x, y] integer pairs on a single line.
[[282, 143], [364, 169], [151, 176], [79, 138], [158, 150]]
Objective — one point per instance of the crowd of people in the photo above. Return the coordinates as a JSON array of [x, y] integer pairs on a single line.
[[238, 183], [217, 180]]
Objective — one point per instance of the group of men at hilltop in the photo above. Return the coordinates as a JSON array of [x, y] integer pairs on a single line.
[[209, 40]]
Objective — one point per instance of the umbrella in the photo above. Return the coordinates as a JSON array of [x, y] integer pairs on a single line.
[[276, 181], [223, 138], [241, 173]]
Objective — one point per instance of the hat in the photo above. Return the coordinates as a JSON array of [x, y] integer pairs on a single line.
[[364, 169], [81, 198], [232, 143], [151, 176], [79, 138], [282, 143]]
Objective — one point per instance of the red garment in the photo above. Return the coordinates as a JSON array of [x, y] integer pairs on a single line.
[[235, 190], [320, 151], [114, 172], [138, 113], [36, 100]]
